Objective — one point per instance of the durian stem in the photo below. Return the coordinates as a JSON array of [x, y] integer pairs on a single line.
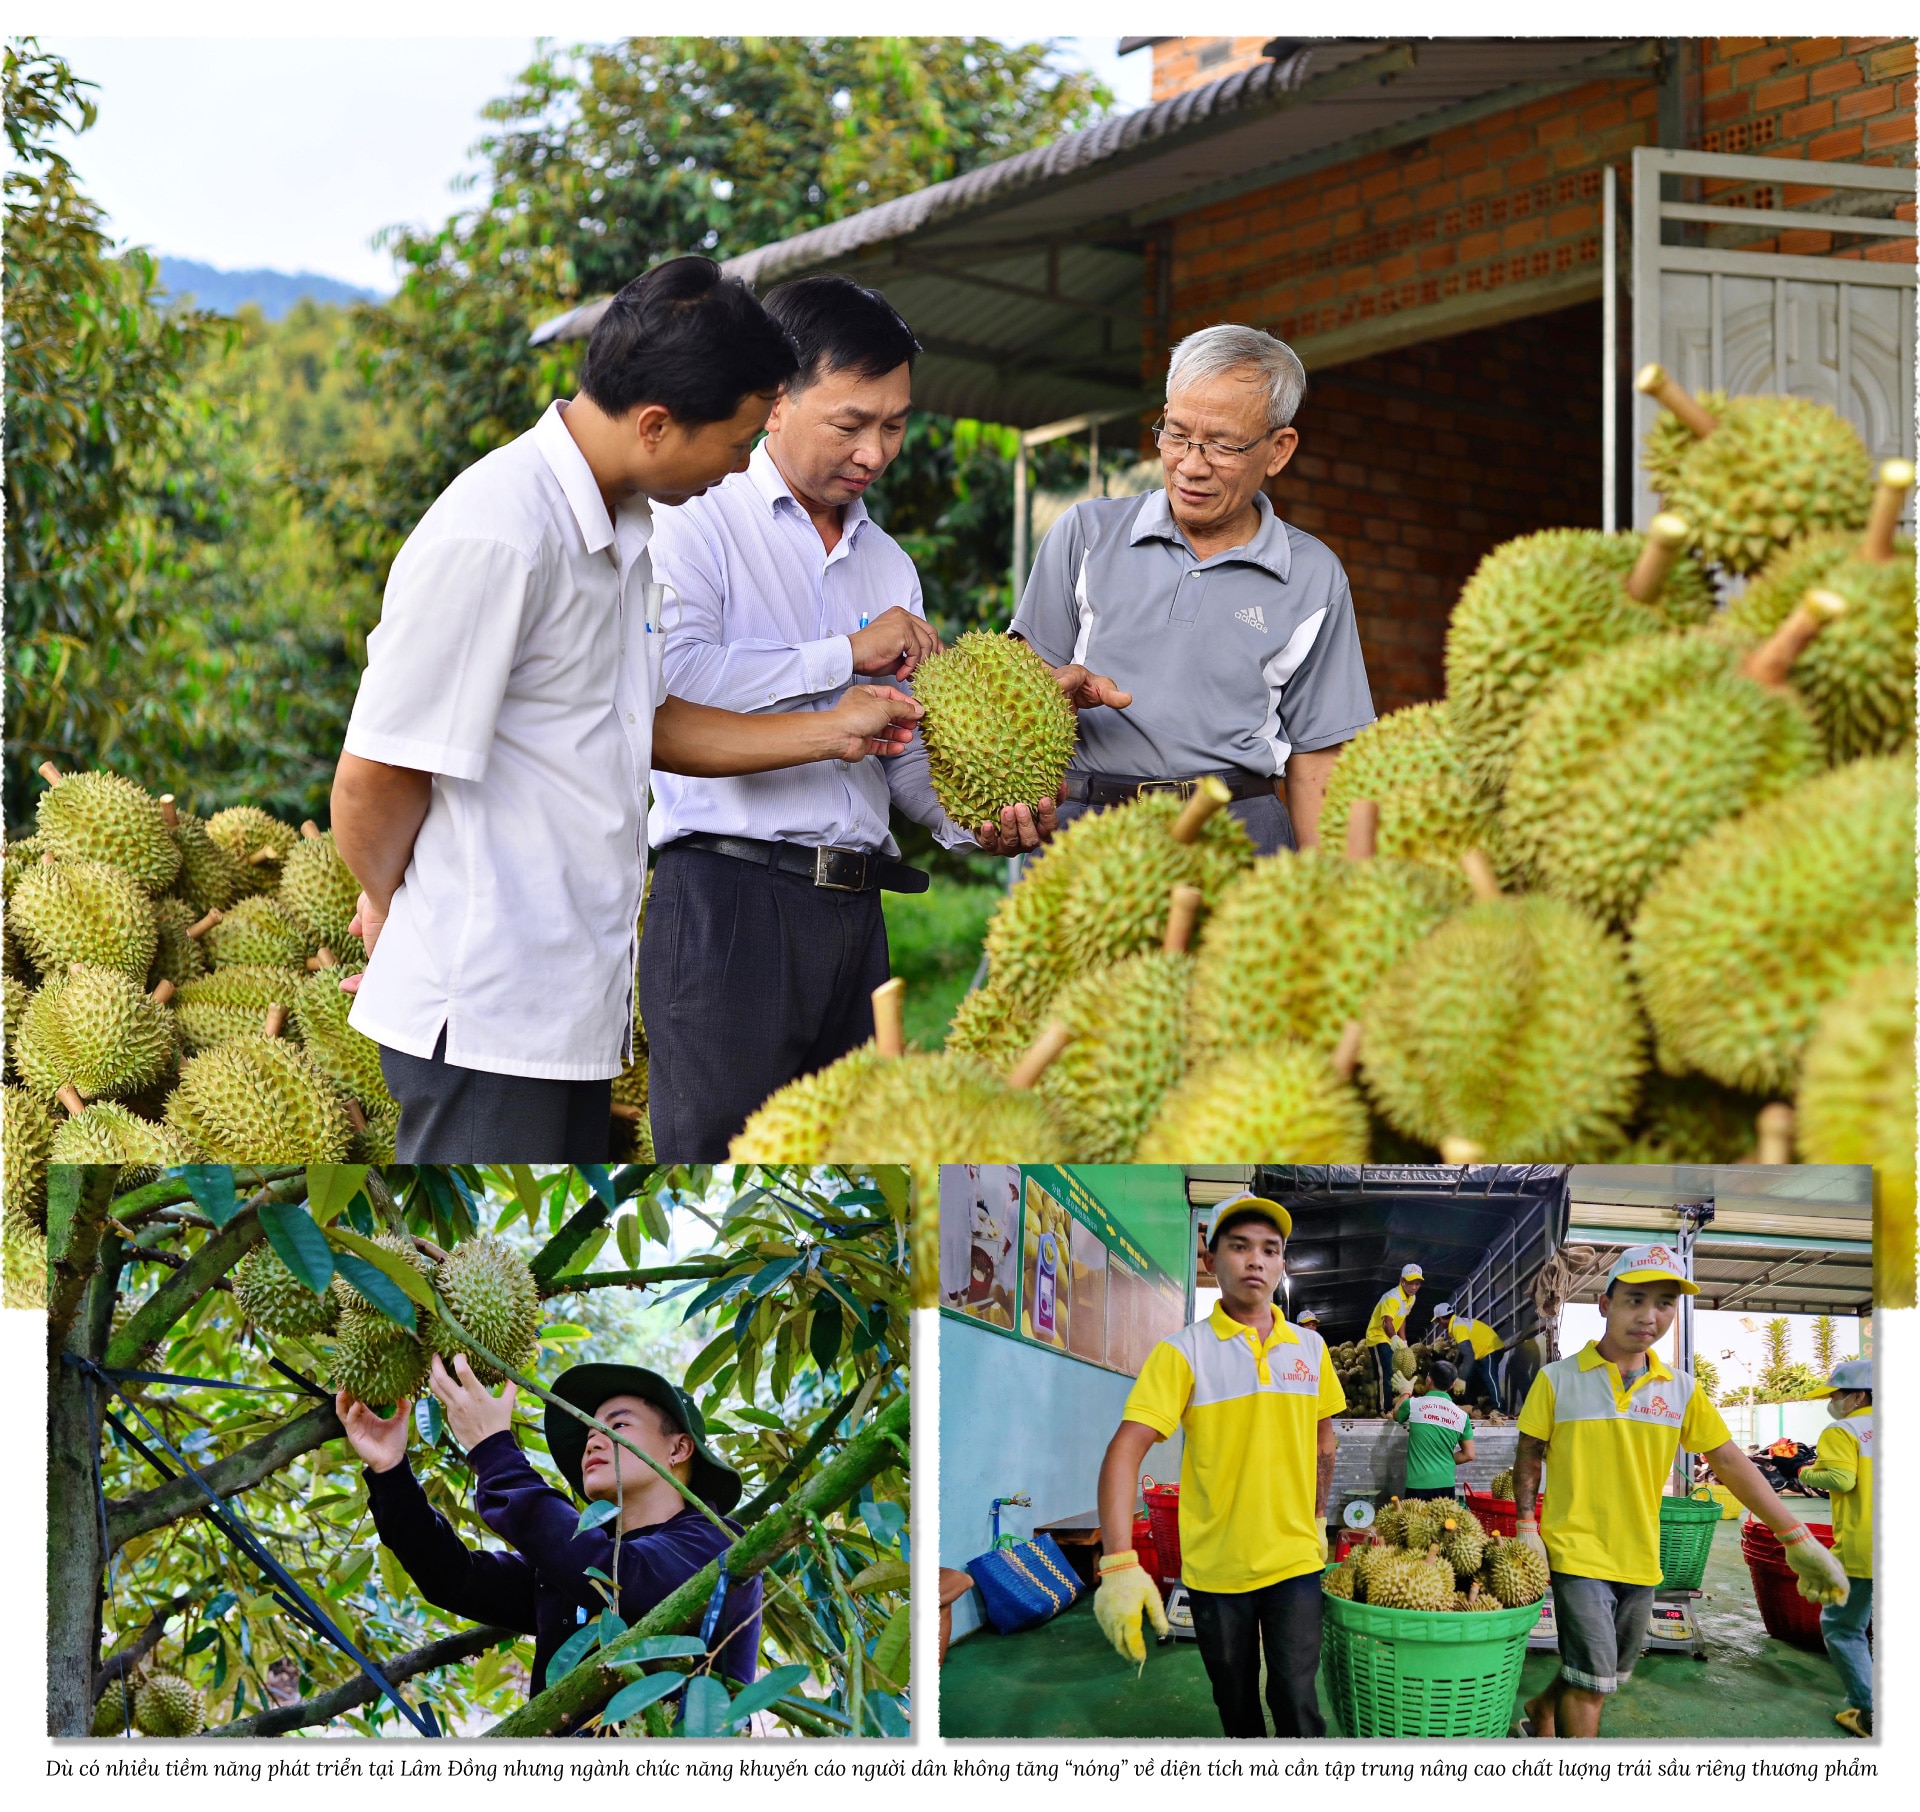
[[1363, 829], [263, 855], [1208, 797], [1054, 1038], [169, 813], [324, 960], [1183, 911], [1896, 480], [310, 830], [1480, 876], [50, 774], [276, 1021], [1773, 1129], [1462, 1151], [1666, 536], [1770, 662], [427, 1246], [163, 993], [1346, 1054], [621, 1111], [889, 1018], [356, 1114], [1660, 384], [200, 927], [69, 1097]]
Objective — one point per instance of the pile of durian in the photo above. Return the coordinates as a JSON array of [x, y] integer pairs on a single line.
[[1640, 888], [1353, 1363], [1434, 1555]]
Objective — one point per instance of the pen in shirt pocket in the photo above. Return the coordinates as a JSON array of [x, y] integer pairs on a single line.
[[864, 619]]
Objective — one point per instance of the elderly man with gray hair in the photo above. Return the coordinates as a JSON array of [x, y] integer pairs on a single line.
[[1233, 631]]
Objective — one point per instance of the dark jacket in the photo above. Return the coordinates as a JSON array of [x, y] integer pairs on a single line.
[[543, 1590]]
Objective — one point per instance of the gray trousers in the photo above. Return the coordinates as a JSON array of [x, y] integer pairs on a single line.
[[449, 1115], [1265, 818]]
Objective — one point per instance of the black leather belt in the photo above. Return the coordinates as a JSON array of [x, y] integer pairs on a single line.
[[841, 870], [1119, 789]]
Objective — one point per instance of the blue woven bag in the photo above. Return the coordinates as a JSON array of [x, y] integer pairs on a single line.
[[1025, 1584]]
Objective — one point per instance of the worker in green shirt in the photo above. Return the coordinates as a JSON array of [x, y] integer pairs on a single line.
[[1843, 1468], [1439, 1432]]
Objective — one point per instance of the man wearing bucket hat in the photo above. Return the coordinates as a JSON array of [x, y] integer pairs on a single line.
[[1387, 1330], [1475, 1345], [544, 1587], [1607, 1422], [1843, 1468], [1255, 1400]]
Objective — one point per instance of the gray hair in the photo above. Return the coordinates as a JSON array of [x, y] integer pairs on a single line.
[[1215, 351]]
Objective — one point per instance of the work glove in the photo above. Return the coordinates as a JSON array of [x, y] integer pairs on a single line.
[[1822, 1579], [1527, 1531], [1397, 1343], [1320, 1529], [1125, 1594]]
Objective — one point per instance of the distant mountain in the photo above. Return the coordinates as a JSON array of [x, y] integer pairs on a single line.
[[272, 292]]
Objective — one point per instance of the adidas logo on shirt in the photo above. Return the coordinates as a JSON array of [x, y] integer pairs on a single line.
[[1252, 615]]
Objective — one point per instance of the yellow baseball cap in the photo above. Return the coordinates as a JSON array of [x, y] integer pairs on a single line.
[[1248, 1207], [1652, 1264]]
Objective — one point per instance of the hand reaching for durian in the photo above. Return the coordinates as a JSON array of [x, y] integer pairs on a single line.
[[1086, 690], [381, 1441], [870, 720], [473, 1411], [1021, 827], [894, 643]]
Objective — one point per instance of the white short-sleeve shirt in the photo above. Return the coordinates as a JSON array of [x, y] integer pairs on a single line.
[[517, 662]]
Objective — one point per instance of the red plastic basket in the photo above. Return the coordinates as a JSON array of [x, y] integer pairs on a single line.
[[1788, 1616], [1500, 1515], [1163, 1511], [1346, 1541], [1144, 1550]]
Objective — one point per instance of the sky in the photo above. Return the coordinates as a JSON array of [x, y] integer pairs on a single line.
[[292, 153]]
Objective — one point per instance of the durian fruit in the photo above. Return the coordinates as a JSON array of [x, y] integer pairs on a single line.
[[1690, 1120], [258, 1100], [1128, 1026], [1024, 962], [1275, 1103], [998, 729], [633, 1131], [944, 1109], [26, 1144], [1670, 440], [318, 890], [1418, 1525], [17, 994], [1500, 1486], [1412, 1582], [1515, 1574], [794, 1123], [83, 912], [1772, 468], [1409, 764], [491, 1291], [1748, 937], [1367, 1559], [1856, 1106], [166, 1706], [177, 956], [23, 1262], [348, 1057], [1338, 1581], [107, 1133], [101, 817], [1534, 608], [1462, 1545], [1390, 1521], [258, 843], [1512, 1026], [210, 880], [374, 1143], [259, 931], [276, 1301], [1405, 1365], [1478, 1598], [1628, 760], [234, 1003], [375, 1360], [94, 1031], [994, 1026], [111, 1717]]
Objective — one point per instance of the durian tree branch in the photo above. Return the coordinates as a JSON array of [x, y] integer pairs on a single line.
[[655, 1274], [116, 1665], [782, 1482], [552, 1258], [78, 1200], [239, 1471], [324, 1707], [569, 1702], [170, 1192]]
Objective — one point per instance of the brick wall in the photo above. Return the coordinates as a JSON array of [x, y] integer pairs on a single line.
[[1183, 63], [1415, 463], [1847, 99]]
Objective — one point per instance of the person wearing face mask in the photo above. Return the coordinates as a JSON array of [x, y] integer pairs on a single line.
[[1843, 1469]]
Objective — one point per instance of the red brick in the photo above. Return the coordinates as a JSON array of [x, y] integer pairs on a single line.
[[1510, 143], [1726, 107], [1422, 170], [1866, 102], [1609, 112], [1896, 131], [1817, 50], [1897, 59], [1558, 129], [1759, 65], [1837, 147], [1382, 182], [1830, 78], [1716, 78], [1782, 91], [1804, 120], [1724, 48]]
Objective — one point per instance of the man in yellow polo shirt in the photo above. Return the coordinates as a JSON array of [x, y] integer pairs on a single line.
[[1476, 1343], [1607, 1423], [1843, 1468], [1255, 1400], [1387, 1330]]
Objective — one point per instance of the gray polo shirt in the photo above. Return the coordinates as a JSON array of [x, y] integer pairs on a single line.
[[1233, 662]]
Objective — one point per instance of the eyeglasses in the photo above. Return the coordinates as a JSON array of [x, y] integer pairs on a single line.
[[1214, 452]]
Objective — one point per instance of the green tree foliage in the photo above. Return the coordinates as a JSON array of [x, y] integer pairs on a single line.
[[1707, 1375], [782, 1306], [1783, 1378], [1826, 1344]]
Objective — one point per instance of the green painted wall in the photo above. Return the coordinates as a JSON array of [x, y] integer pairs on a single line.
[[1150, 1202]]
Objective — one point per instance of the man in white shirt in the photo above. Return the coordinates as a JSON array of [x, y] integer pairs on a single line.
[[764, 938], [490, 797]]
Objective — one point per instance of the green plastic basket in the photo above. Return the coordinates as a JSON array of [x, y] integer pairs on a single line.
[[1424, 1673], [1686, 1537]]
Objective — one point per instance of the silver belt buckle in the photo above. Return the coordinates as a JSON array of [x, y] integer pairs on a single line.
[[1182, 789], [831, 864]]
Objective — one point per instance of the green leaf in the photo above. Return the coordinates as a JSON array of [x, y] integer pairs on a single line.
[[705, 1712], [893, 1653], [823, 1339], [377, 1287], [655, 1219], [595, 1514], [764, 1691], [884, 1521], [526, 1191], [222, 1605], [709, 1360], [206, 1639], [664, 1648], [211, 1186], [330, 1187], [573, 1651], [401, 1271], [637, 1697], [859, 1198], [302, 1247], [600, 1180], [758, 1417], [771, 1276], [626, 1231], [888, 1575], [716, 1292]]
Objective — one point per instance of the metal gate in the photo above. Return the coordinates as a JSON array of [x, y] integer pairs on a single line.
[[1836, 329]]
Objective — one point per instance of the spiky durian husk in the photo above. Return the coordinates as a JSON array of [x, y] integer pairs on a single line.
[[1689, 1120], [1748, 937], [931, 1110], [374, 1361], [1856, 675], [260, 1100], [633, 1139], [1408, 763], [1024, 961], [375, 1145], [209, 877], [1500, 1486], [1390, 1522], [1513, 1025], [491, 1291], [1338, 1581], [1280, 1100], [17, 994], [1515, 1574], [232, 1003], [21, 858], [998, 730], [1670, 440], [100, 817], [243, 831], [24, 1257], [1775, 468], [26, 1144], [259, 931], [992, 1025], [1700, 741], [1462, 1546], [349, 1058], [111, 1715], [320, 893], [276, 1301], [176, 957], [108, 1133], [94, 1030], [166, 1706], [793, 1124], [1411, 1582], [1856, 1106], [1129, 1025], [83, 912], [1534, 608]]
